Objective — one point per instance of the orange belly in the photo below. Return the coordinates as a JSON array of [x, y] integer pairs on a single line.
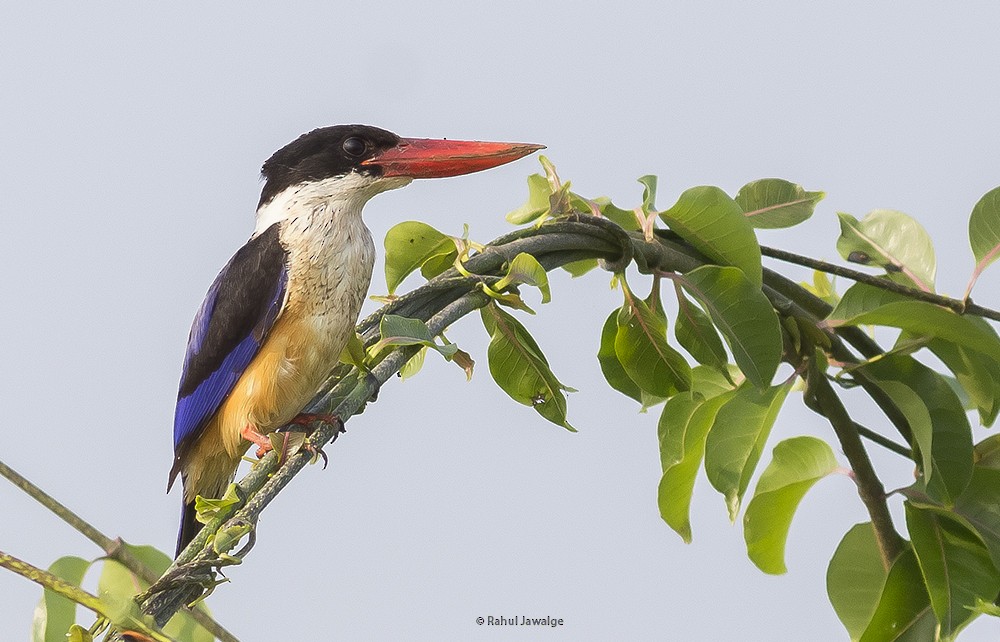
[[283, 377]]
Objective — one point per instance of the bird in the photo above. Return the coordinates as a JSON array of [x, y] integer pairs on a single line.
[[278, 316]]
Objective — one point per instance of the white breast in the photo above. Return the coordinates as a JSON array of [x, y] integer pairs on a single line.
[[330, 259]]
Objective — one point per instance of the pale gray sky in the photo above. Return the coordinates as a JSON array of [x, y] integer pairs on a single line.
[[132, 137]]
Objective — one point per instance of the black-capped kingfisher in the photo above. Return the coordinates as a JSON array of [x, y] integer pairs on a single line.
[[277, 318]]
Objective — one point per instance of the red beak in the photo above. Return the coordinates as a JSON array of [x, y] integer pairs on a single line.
[[431, 158]]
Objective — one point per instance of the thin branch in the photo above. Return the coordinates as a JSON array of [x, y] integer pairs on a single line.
[[114, 548], [822, 398], [53, 583], [885, 442], [72, 592], [808, 305], [669, 254], [961, 306], [106, 544]]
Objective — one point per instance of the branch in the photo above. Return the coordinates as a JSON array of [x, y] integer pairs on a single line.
[[72, 592], [960, 306], [440, 302], [808, 305], [54, 583], [822, 398], [114, 548]]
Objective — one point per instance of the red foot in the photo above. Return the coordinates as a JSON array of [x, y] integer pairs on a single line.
[[307, 419], [263, 443]]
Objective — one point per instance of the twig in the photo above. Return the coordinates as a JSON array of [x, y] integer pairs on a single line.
[[61, 587], [114, 548], [53, 583], [811, 305], [961, 306], [822, 398], [885, 442], [669, 254]]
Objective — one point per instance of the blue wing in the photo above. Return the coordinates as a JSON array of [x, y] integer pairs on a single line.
[[234, 320]]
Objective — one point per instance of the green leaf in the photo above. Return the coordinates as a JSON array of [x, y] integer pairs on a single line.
[[438, 263], [537, 205], [402, 331], [983, 607], [116, 587], [891, 240], [414, 365], [153, 558], [855, 578], [520, 369], [55, 614], [978, 505], [917, 415], [987, 452], [624, 218], [696, 334], [612, 368], [737, 439], [822, 287], [354, 351], [922, 395], [955, 565], [509, 299], [673, 426], [683, 427], [642, 349], [744, 316], [409, 245], [709, 382], [796, 465], [527, 270], [861, 298], [712, 222], [78, 634], [227, 537], [984, 230], [208, 508], [579, 268], [648, 193], [904, 611], [978, 374], [772, 203], [925, 319], [182, 626]]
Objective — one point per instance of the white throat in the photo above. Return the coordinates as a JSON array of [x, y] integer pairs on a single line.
[[344, 196]]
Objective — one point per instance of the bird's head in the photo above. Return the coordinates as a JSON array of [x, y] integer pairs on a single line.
[[373, 160]]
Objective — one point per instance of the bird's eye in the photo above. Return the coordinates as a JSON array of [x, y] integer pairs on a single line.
[[355, 146]]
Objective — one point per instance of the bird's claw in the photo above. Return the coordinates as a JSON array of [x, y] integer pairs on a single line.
[[316, 452], [253, 436], [307, 419]]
